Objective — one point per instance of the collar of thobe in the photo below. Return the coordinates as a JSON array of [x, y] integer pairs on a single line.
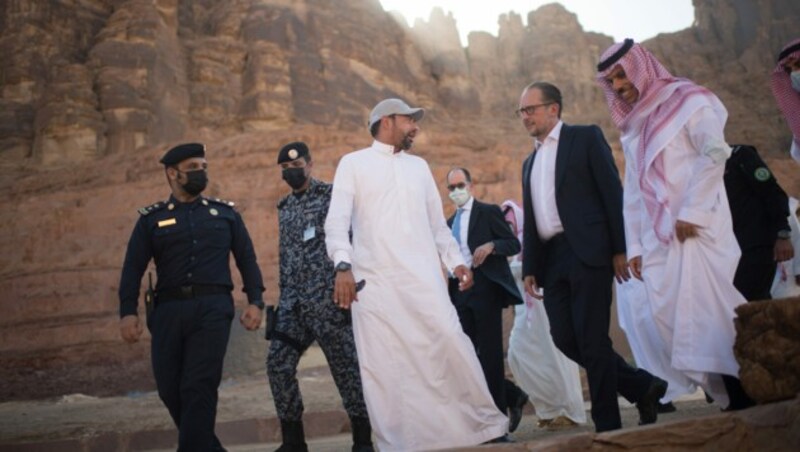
[[386, 149]]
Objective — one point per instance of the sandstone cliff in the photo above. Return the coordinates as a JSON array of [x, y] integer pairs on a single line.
[[94, 91]]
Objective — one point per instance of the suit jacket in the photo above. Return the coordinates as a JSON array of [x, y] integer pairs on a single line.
[[487, 224], [588, 197]]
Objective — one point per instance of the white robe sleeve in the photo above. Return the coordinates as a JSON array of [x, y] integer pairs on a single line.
[[340, 212], [445, 242], [632, 210], [794, 224], [707, 137]]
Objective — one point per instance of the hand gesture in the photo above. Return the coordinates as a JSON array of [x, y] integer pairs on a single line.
[[251, 318], [344, 289], [130, 328], [464, 276], [531, 288], [481, 253], [635, 265], [685, 230]]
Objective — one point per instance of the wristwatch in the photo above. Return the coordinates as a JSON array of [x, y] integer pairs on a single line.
[[258, 303], [343, 266], [784, 234]]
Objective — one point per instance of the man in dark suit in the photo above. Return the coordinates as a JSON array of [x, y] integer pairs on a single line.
[[574, 244], [485, 241], [760, 214]]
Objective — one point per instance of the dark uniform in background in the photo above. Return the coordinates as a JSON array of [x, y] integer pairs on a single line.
[[760, 210], [191, 320], [306, 311]]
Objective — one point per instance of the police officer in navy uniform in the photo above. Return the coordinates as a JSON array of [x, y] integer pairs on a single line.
[[760, 211], [190, 238], [306, 311]]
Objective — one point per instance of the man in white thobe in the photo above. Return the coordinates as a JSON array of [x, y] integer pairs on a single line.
[[678, 226], [787, 276], [423, 384], [551, 379], [785, 84]]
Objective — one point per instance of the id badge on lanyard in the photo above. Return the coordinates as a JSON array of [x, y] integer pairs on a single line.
[[310, 232]]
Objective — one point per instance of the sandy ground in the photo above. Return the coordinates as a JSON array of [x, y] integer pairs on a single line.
[[78, 416]]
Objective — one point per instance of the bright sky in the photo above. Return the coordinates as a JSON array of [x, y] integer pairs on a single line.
[[637, 19]]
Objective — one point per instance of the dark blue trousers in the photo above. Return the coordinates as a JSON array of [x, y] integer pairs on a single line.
[[189, 342]]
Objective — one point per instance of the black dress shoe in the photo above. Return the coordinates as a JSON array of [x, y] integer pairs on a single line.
[[648, 403], [666, 408], [515, 411]]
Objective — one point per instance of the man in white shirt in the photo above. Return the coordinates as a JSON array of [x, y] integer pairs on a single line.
[[423, 384], [573, 246], [486, 242]]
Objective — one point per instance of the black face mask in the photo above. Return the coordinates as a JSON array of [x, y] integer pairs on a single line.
[[295, 177], [196, 182]]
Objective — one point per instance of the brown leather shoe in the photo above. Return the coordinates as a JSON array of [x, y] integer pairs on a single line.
[[543, 423], [561, 423]]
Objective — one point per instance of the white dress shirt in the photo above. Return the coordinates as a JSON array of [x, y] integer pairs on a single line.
[[543, 186], [466, 211]]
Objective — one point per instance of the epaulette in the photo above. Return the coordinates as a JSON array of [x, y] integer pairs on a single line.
[[144, 211], [221, 201], [325, 188], [282, 202]]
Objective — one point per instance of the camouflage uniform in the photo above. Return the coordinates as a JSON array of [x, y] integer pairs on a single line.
[[306, 311]]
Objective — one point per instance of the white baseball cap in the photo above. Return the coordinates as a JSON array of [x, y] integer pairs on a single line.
[[388, 107]]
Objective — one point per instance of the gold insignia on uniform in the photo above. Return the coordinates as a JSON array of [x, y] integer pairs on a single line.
[[170, 206], [293, 154], [213, 211], [167, 222], [205, 202]]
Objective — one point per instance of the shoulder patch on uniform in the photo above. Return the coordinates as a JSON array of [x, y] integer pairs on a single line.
[[222, 201], [144, 211], [762, 174]]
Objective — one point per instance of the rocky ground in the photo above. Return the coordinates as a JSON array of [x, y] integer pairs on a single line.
[[246, 419]]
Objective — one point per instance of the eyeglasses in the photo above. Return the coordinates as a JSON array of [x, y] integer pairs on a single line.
[[530, 109], [460, 185]]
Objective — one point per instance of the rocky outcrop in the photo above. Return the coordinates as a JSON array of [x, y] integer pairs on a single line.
[[143, 72], [768, 349]]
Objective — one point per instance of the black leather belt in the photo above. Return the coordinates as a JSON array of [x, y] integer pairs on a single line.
[[189, 292]]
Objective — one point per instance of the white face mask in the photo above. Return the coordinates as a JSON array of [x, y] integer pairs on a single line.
[[795, 76], [460, 196]]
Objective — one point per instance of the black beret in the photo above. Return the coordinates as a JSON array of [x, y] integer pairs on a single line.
[[182, 152], [293, 151]]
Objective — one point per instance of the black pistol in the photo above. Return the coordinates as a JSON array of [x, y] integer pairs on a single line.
[[272, 322], [149, 296]]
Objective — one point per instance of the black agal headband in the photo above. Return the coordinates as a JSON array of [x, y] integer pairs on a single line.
[[788, 51], [626, 45]]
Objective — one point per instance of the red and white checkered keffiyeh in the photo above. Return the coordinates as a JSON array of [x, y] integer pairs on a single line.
[[664, 106], [787, 98]]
